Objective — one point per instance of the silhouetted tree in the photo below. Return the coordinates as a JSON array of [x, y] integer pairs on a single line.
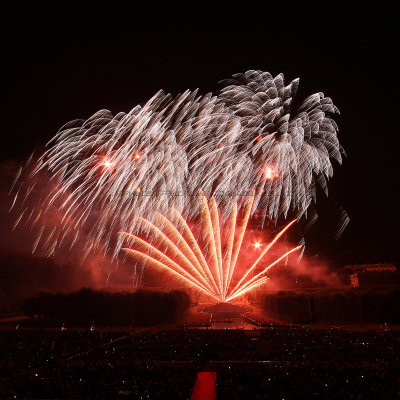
[[105, 308]]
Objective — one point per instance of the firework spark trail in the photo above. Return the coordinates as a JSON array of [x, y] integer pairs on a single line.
[[238, 245], [250, 282], [260, 282], [189, 252], [163, 266], [167, 261], [222, 267], [267, 247], [217, 239], [211, 234], [195, 248], [229, 247], [177, 251], [104, 171]]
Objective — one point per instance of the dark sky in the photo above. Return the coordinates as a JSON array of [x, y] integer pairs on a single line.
[[68, 63]]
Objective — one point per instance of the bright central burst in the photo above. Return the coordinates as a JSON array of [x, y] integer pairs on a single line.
[[178, 252]]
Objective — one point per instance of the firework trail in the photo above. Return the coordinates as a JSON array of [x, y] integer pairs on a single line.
[[101, 173], [172, 253]]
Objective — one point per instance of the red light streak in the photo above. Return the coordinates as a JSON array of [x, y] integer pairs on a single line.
[[179, 253]]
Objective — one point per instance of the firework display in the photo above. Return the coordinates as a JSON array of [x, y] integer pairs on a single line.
[[102, 173], [178, 252]]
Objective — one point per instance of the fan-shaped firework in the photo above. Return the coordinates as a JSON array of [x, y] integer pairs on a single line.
[[107, 170], [176, 251]]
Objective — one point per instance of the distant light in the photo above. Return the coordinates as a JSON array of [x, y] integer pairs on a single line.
[[257, 245]]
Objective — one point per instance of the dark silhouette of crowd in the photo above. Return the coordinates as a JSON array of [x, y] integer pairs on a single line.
[[271, 363]]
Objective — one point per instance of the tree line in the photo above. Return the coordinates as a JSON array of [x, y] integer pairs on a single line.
[[24, 275], [81, 307], [351, 305]]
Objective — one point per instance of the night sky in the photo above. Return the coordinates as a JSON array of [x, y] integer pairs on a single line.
[[64, 64]]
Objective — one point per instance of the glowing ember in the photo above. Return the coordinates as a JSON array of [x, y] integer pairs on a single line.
[[270, 173], [179, 253], [107, 163]]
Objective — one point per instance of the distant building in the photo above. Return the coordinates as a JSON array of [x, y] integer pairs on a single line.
[[373, 275]]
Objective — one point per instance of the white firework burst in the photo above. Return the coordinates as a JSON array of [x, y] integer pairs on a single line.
[[105, 171]]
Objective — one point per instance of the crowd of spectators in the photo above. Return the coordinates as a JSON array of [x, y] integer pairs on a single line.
[[271, 363], [272, 344]]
